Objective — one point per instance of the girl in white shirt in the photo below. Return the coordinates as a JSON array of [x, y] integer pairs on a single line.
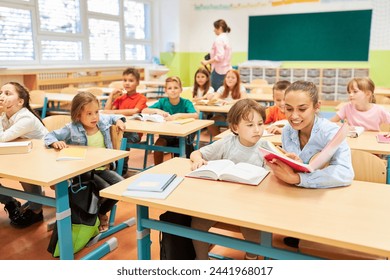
[[18, 120], [202, 88]]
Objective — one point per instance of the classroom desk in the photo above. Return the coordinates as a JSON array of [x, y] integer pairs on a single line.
[[354, 217], [41, 168], [257, 86], [166, 128], [382, 91]]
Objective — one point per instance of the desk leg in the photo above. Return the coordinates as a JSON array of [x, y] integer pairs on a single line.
[[143, 234], [64, 221], [44, 108], [182, 147]]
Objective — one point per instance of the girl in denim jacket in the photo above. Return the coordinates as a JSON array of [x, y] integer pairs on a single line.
[[89, 128]]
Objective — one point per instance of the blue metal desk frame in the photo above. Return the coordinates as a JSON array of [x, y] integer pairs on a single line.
[[144, 224], [61, 203]]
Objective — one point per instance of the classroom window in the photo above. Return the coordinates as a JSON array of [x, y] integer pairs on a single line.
[[60, 16], [138, 52], [104, 40], [109, 7], [61, 50], [16, 41], [70, 32]]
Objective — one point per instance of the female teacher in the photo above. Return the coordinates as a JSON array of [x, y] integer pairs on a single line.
[[220, 54]]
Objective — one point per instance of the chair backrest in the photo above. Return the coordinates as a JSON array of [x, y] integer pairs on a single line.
[[116, 84], [56, 121], [368, 167], [69, 90], [116, 137], [37, 96]]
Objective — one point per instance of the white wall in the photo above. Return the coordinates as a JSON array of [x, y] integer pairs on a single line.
[[192, 30]]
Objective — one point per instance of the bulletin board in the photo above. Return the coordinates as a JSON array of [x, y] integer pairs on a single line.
[[325, 36]]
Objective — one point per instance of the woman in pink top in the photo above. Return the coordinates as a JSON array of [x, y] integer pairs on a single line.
[[361, 110], [220, 54]]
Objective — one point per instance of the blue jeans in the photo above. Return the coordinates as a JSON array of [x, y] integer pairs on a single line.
[[217, 80]]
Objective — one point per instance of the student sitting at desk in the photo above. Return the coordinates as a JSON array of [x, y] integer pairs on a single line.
[[361, 111], [127, 101], [202, 88], [276, 112], [18, 120], [172, 108], [89, 128], [306, 135], [245, 120], [231, 91]]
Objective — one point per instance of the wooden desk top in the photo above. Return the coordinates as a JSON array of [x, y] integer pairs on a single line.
[[167, 128], [354, 217], [41, 168], [213, 109]]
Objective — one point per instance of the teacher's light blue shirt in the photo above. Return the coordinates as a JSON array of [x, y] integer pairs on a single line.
[[338, 173]]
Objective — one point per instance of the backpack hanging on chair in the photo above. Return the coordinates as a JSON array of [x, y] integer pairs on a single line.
[[83, 202]]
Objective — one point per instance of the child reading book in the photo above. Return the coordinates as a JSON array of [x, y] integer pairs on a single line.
[[89, 128], [172, 108], [305, 136], [277, 112], [245, 120]]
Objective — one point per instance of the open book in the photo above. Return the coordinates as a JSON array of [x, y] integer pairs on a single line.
[[148, 117], [151, 182], [72, 153], [18, 147], [381, 138], [317, 162], [226, 170]]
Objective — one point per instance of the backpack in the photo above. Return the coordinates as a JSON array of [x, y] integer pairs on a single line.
[[83, 202], [173, 247]]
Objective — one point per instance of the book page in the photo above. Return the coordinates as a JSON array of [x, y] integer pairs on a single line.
[[356, 131], [244, 173], [212, 169]]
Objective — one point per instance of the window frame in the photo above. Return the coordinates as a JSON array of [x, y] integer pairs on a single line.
[[83, 37]]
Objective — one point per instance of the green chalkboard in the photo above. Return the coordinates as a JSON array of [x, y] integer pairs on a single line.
[[326, 36]]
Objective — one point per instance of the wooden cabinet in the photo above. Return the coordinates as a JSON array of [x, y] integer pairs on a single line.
[[52, 80]]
